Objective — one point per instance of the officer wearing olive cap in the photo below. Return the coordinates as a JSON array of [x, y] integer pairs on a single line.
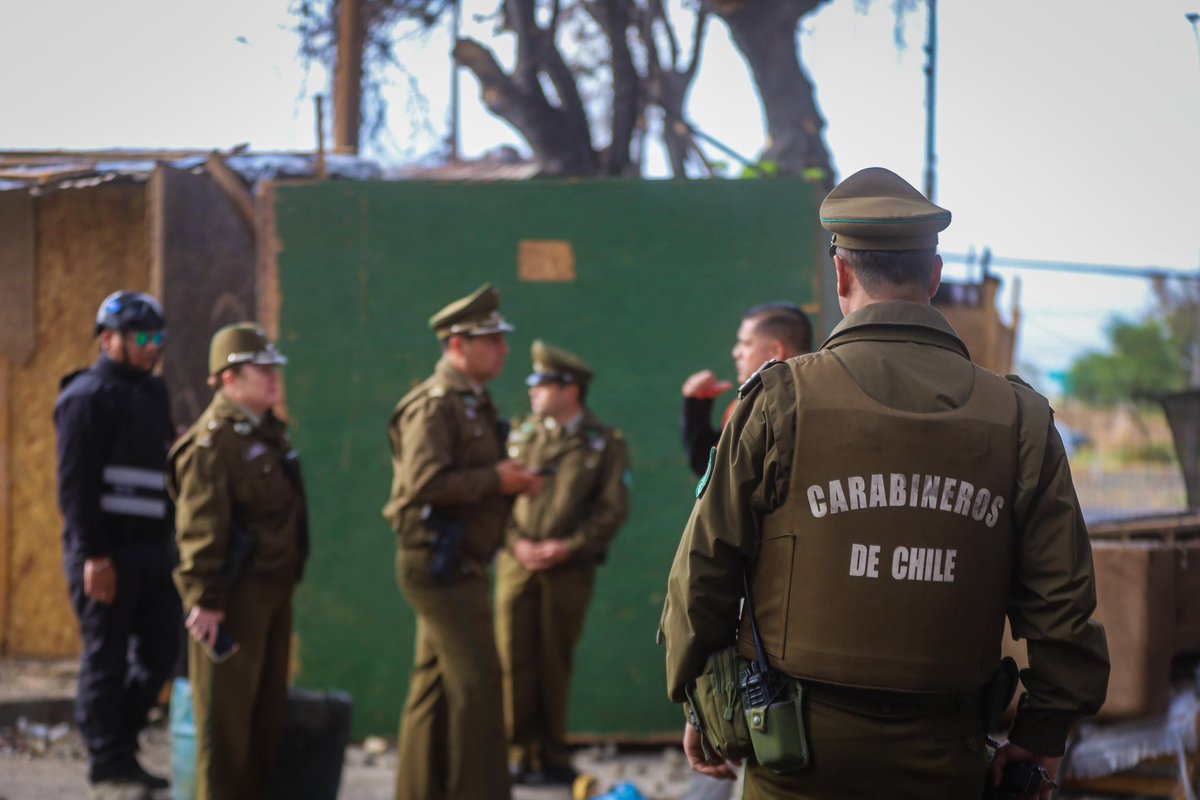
[[243, 539], [114, 427], [452, 491], [553, 544], [890, 502]]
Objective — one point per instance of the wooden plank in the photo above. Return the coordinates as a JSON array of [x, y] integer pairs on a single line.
[[267, 287], [203, 256], [18, 331], [231, 184], [5, 510], [1152, 777], [90, 242], [44, 176], [1158, 527]]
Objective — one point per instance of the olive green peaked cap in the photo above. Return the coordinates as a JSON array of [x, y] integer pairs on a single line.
[[241, 343], [477, 314], [552, 365], [876, 209]]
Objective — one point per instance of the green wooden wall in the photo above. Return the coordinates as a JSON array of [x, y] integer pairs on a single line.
[[664, 270]]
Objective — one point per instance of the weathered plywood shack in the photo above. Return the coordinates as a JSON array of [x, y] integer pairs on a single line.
[[85, 243]]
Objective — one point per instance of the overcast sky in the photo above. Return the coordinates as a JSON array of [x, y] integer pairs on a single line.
[[1066, 130]]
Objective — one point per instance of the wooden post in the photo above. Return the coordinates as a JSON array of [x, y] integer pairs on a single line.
[[319, 102], [347, 80], [5, 509]]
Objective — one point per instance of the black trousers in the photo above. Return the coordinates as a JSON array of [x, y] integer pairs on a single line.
[[129, 651]]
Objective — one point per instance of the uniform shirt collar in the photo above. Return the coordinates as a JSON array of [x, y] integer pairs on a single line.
[[570, 428], [224, 407], [456, 381], [897, 320]]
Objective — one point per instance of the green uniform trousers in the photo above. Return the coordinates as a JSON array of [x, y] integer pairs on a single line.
[[870, 751], [539, 619], [452, 732], [240, 704]]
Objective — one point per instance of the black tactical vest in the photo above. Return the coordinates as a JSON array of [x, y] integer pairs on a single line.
[[888, 565]]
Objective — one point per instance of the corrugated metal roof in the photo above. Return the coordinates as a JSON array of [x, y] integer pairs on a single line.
[[43, 171]]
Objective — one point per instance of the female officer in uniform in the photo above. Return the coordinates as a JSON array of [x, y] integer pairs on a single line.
[[242, 529]]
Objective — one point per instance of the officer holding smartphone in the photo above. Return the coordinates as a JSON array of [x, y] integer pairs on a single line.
[[243, 539]]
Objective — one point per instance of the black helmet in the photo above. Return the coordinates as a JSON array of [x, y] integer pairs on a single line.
[[129, 311]]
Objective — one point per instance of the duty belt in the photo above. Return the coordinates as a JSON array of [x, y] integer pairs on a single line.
[[886, 702]]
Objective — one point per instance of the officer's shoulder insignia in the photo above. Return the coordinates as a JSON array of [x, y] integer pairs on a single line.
[[756, 379], [618, 434], [707, 476]]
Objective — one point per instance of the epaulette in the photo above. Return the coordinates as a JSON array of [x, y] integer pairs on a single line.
[[208, 436], [756, 378]]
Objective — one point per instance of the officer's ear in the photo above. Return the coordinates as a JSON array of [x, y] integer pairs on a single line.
[[845, 276], [935, 279]]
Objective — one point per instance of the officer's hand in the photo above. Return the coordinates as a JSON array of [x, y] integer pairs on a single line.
[[1011, 752], [549, 553], [100, 580], [526, 553], [704, 385], [202, 624], [694, 751], [515, 479]]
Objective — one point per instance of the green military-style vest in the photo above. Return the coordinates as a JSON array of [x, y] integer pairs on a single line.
[[888, 565]]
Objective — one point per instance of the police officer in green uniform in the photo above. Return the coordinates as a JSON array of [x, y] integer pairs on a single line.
[[242, 528], [890, 502], [553, 544], [452, 492]]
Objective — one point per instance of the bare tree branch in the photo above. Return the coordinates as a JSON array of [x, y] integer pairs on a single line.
[[659, 12], [697, 44]]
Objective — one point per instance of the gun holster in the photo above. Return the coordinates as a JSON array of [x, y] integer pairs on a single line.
[[998, 692]]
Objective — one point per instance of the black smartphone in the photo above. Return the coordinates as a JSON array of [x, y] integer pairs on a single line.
[[224, 647]]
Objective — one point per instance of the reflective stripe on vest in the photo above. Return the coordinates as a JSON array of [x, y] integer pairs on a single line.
[[134, 492], [888, 566], [134, 477]]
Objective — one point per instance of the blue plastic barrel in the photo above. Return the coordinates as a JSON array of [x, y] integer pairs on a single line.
[[183, 742]]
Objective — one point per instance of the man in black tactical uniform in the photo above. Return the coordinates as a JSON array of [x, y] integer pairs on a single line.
[[114, 429]]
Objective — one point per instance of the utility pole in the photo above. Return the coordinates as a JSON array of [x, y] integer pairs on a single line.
[[931, 105], [347, 79]]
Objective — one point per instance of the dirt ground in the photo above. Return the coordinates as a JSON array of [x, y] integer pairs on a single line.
[[43, 758]]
